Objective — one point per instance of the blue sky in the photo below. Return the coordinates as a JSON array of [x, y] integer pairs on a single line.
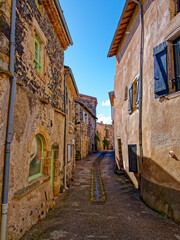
[[92, 24]]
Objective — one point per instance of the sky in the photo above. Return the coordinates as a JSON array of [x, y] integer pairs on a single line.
[[92, 24]]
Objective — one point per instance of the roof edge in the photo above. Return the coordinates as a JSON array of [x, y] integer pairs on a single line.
[[61, 15], [73, 79], [117, 28], [86, 108]]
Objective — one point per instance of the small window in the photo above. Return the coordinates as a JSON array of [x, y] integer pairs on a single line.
[[84, 117], [39, 6], [177, 6], [70, 111], [133, 95], [38, 54], [68, 153], [176, 51], [36, 154]]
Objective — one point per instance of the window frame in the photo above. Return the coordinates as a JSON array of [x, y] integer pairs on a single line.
[[40, 173], [177, 6], [68, 153], [175, 63], [133, 101], [37, 61]]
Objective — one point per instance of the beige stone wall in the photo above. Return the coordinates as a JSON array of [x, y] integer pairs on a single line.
[[105, 131], [85, 132], [160, 122], [71, 133]]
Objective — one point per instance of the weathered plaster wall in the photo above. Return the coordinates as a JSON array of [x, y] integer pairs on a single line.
[[160, 116], [125, 125]]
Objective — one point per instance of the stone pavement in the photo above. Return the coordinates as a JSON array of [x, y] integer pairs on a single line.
[[123, 216]]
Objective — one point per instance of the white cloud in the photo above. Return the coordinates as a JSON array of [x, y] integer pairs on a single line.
[[107, 103], [105, 120]]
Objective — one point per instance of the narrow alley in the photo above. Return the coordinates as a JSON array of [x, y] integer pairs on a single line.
[[119, 214]]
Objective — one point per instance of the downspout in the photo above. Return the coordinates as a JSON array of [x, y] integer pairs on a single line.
[[140, 84], [65, 131], [9, 126]]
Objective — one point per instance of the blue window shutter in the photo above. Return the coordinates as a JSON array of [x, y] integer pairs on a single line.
[[130, 107], [137, 92], [160, 70]]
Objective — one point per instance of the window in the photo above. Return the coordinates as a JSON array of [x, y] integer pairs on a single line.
[[68, 153], [70, 111], [167, 68], [176, 51], [38, 52], [133, 95], [36, 154], [39, 6], [160, 70], [83, 116], [177, 6]]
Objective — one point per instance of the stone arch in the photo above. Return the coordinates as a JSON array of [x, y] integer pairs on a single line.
[[46, 154]]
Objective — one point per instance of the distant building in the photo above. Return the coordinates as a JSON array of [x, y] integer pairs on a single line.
[[105, 131], [147, 100], [85, 125]]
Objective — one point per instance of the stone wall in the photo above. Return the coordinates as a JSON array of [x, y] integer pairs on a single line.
[[105, 131], [89, 102], [39, 109], [70, 135], [84, 132], [160, 126]]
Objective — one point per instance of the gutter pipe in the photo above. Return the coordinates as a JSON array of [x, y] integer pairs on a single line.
[[140, 84], [9, 126]]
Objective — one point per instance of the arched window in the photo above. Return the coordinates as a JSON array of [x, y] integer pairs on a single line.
[[35, 168]]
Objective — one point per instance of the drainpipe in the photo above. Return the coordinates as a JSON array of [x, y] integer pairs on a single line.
[[140, 84], [9, 126], [65, 131]]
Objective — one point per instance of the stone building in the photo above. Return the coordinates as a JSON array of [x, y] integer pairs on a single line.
[[147, 100], [71, 95], [37, 164], [85, 125], [105, 131]]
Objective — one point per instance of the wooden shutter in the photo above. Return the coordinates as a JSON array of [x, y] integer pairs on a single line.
[[130, 89], [178, 5], [137, 92], [132, 152], [160, 70]]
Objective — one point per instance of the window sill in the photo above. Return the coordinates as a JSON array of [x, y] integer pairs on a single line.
[[173, 95], [32, 186]]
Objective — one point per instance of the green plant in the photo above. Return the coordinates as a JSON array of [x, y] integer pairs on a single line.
[[105, 143]]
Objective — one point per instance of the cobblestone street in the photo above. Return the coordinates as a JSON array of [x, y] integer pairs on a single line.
[[121, 216]]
